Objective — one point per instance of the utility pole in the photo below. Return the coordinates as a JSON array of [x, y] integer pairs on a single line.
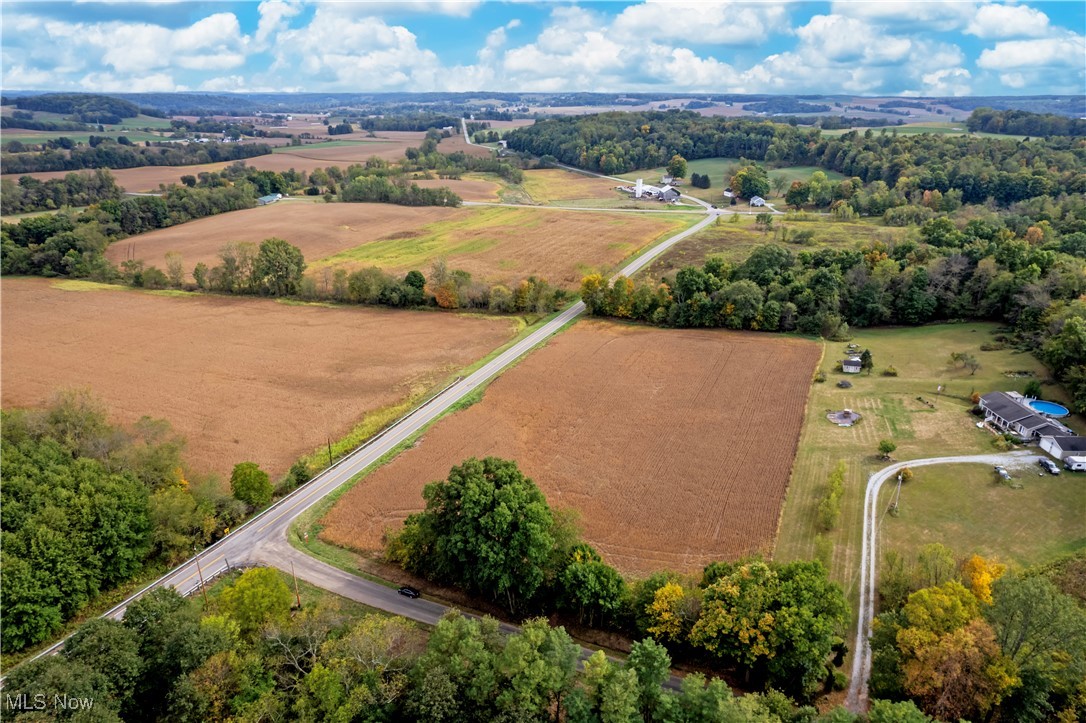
[[297, 595], [203, 588]]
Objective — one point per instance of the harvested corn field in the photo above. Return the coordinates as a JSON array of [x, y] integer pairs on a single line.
[[674, 447]]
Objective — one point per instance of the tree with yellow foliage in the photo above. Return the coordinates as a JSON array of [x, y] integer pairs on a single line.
[[672, 611], [978, 575]]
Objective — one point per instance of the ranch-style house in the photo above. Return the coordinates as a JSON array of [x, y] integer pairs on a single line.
[[1010, 412]]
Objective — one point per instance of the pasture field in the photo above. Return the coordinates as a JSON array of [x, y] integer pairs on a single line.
[[891, 410], [318, 229], [938, 128], [240, 378], [502, 244], [29, 136], [964, 508], [673, 447], [717, 169], [735, 241], [552, 185]]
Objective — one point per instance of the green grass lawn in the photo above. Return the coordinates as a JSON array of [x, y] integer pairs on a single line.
[[717, 169], [891, 410], [735, 240], [141, 121], [964, 508]]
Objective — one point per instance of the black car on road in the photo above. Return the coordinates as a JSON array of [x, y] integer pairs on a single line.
[[408, 591]]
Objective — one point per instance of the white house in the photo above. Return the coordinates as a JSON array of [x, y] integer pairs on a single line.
[[671, 181], [851, 366], [757, 201], [1010, 412], [1062, 447]]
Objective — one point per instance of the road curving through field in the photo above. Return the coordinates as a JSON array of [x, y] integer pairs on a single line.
[[857, 700]]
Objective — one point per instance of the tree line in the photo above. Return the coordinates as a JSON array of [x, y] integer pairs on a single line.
[[1024, 123], [488, 529], [87, 505], [66, 244], [250, 654], [84, 107], [978, 270], [967, 639], [110, 154], [979, 168], [75, 189]]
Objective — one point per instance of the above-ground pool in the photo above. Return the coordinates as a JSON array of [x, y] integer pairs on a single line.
[[1050, 409]]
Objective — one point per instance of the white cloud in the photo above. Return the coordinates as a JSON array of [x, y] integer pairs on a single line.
[[1057, 52], [1008, 21], [948, 81], [336, 50], [369, 8], [942, 15], [720, 23], [150, 83], [274, 15]]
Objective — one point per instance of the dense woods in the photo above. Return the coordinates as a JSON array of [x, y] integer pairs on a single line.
[[87, 505], [1024, 123], [966, 639], [979, 169], [75, 189], [111, 154], [248, 656], [83, 107]]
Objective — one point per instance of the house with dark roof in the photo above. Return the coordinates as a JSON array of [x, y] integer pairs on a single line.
[[1063, 446], [1010, 412], [851, 366]]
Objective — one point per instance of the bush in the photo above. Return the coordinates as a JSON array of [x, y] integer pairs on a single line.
[[889, 371], [250, 484], [820, 377]]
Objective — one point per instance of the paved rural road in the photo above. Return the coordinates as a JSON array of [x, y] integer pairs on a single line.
[[263, 539], [861, 659]]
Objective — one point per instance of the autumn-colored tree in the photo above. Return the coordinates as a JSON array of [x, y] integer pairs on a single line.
[[978, 575], [960, 675], [447, 295], [594, 294], [672, 612]]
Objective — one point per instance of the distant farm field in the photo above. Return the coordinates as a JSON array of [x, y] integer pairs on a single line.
[[674, 447], [735, 241], [494, 244], [241, 379], [318, 229], [506, 244]]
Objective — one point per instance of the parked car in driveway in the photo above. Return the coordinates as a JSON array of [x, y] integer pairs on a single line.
[[408, 591], [1049, 465]]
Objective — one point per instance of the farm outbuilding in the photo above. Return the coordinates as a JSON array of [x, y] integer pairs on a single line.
[[851, 366], [270, 198], [669, 194], [1062, 447], [757, 201]]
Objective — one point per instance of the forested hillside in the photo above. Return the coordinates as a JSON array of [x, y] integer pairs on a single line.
[[66, 155], [1005, 171]]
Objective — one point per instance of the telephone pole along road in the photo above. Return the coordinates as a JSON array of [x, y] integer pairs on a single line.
[[263, 539]]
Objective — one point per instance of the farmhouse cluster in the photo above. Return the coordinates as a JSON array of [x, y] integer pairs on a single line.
[[666, 193]]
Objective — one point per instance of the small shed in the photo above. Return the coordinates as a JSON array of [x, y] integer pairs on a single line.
[[851, 366], [757, 201]]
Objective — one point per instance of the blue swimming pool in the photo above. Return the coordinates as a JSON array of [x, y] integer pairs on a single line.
[[1050, 409]]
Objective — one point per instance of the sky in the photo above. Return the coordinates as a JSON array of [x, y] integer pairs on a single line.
[[881, 47]]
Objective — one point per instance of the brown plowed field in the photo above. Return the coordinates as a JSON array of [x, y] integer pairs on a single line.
[[675, 447], [318, 229], [241, 379], [494, 244]]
